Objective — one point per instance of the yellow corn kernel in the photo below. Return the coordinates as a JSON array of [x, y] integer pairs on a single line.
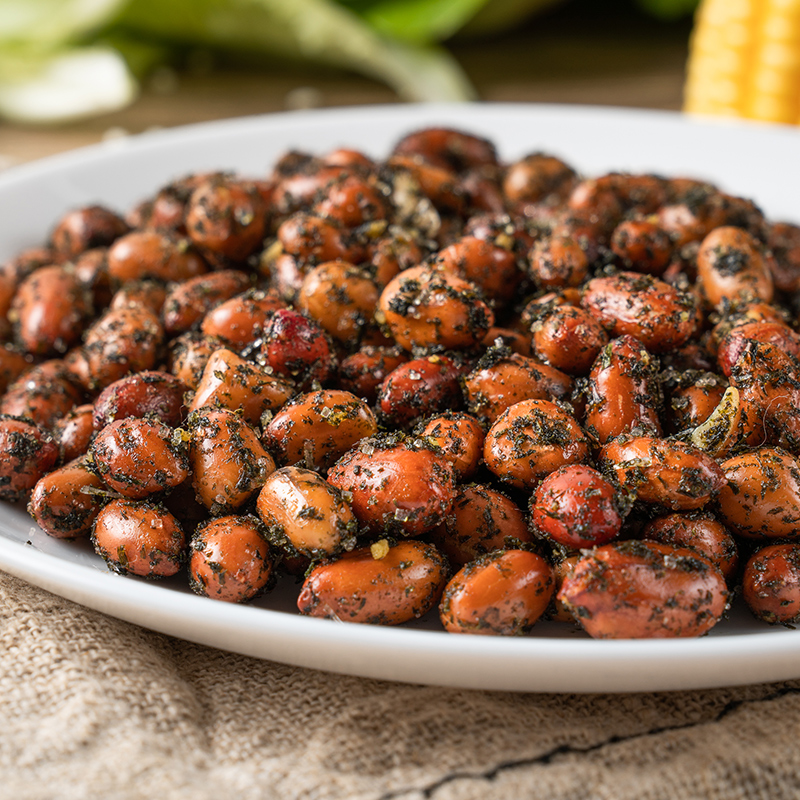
[[745, 60]]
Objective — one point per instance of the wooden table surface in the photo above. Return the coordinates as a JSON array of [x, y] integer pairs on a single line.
[[578, 53]]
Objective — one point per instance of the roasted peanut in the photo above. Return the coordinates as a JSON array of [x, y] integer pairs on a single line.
[[315, 429], [460, 437], [532, 439], [503, 593], [569, 339], [188, 302], [27, 453], [622, 391], [341, 298], [577, 507], [304, 515], [379, 586], [420, 387], [62, 502], [671, 473], [228, 462], [230, 560], [140, 255], [761, 496], [501, 379], [229, 381], [640, 590], [398, 486], [139, 457], [482, 519], [147, 393], [49, 310], [658, 315], [429, 308], [139, 538], [698, 531], [771, 583], [732, 269]]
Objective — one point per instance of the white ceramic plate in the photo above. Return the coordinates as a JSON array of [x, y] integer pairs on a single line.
[[756, 161]]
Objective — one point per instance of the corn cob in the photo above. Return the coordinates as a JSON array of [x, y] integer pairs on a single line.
[[745, 60]]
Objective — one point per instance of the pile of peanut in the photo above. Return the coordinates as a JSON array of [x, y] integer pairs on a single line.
[[435, 383]]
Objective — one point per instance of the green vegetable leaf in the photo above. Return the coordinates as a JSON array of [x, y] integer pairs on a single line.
[[317, 30], [421, 20]]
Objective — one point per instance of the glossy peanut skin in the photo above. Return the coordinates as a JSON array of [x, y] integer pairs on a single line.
[[503, 593], [531, 439], [189, 301], [701, 532], [557, 262], [429, 308], [460, 436], [403, 585], [502, 379], [43, 394], [642, 246], [316, 429], [148, 254], [692, 406], [577, 507], [761, 499], [768, 381], [734, 343], [13, 363], [304, 515], [139, 538], [121, 341], [569, 339], [622, 392], [85, 228], [352, 200], [226, 219], [482, 519], [74, 432], [642, 590], [229, 381], [420, 387], [228, 462], [60, 505], [297, 348], [494, 269], [341, 298], [364, 371], [230, 560], [731, 268], [658, 315], [147, 294], [189, 354], [670, 473], [139, 457], [771, 584], [26, 454], [243, 318], [147, 393], [313, 240], [537, 176], [397, 486], [447, 148], [49, 309]]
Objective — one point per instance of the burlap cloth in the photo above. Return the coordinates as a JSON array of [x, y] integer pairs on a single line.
[[91, 707]]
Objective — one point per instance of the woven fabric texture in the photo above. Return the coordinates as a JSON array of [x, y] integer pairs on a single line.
[[91, 707]]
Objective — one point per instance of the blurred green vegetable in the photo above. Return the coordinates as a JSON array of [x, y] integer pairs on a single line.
[[62, 59]]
